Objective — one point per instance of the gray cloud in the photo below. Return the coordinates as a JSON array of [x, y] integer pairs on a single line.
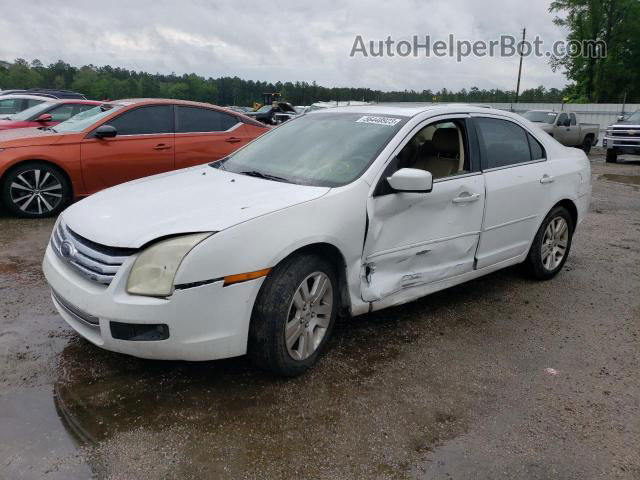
[[281, 40]]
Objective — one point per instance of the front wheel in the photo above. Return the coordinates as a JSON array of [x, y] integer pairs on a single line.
[[612, 156], [294, 315], [551, 245], [35, 189]]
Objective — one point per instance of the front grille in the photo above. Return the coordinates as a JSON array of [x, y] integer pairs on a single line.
[[99, 263]]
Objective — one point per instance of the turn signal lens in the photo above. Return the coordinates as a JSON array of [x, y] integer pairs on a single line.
[[243, 277]]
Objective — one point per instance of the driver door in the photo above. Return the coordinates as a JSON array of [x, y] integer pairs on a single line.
[[415, 239]]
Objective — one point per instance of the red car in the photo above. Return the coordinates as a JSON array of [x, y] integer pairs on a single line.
[[43, 169], [46, 114]]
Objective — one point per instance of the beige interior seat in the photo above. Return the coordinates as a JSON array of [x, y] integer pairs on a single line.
[[441, 156]]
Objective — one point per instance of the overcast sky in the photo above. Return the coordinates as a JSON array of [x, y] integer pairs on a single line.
[[280, 40]]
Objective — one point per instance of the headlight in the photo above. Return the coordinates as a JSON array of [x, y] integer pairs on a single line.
[[154, 270]]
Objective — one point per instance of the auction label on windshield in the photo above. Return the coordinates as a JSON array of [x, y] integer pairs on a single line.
[[389, 121]]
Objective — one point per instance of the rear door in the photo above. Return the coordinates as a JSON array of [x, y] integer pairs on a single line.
[[143, 146], [205, 135], [516, 176]]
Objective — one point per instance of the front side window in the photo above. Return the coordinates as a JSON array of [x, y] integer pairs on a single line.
[[328, 149], [562, 119], [152, 119], [195, 119], [9, 106], [503, 143], [438, 148], [62, 112]]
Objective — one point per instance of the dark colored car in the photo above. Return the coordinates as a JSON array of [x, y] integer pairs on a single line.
[[46, 114], [275, 113]]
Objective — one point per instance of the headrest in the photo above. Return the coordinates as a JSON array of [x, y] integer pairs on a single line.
[[445, 141]]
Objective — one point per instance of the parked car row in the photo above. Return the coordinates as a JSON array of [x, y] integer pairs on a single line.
[[43, 169], [347, 210]]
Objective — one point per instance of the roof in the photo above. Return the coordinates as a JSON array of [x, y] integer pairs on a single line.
[[27, 97], [412, 109], [161, 101]]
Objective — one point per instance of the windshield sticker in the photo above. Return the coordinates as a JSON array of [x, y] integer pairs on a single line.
[[388, 121]]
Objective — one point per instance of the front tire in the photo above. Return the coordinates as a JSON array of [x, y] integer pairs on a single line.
[[293, 316], [612, 156], [35, 190], [551, 245]]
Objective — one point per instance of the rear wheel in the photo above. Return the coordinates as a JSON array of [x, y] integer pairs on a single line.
[[35, 189], [551, 245], [612, 156], [587, 144], [294, 315]]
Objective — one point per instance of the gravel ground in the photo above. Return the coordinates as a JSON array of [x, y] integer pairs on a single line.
[[502, 377]]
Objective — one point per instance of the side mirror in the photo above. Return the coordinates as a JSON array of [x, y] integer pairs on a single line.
[[44, 118], [105, 131], [411, 180], [621, 118]]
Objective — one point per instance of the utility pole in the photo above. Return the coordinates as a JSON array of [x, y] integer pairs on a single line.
[[524, 34]]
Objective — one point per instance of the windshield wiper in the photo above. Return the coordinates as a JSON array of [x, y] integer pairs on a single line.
[[266, 176]]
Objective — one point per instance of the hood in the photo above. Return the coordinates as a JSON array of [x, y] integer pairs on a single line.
[[28, 137], [198, 199], [625, 123]]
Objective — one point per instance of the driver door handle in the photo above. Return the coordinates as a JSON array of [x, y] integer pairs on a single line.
[[233, 140], [162, 146], [467, 198], [547, 179]]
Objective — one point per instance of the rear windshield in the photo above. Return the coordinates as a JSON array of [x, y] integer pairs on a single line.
[[328, 149], [540, 117]]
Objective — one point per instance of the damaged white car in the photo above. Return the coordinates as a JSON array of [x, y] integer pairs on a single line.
[[344, 211]]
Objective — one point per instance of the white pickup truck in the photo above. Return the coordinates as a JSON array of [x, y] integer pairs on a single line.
[[565, 128]]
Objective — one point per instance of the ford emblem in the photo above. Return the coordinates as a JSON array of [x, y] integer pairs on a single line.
[[67, 250]]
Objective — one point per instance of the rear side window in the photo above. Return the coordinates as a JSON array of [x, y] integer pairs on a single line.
[[537, 151], [574, 120], [9, 106], [194, 119], [503, 143], [145, 120]]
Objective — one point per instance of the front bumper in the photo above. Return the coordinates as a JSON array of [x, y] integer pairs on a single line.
[[206, 322]]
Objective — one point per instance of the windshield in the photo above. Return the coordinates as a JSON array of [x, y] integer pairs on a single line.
[[635, 117], [264, 109], [87, 118], [540, 117], [32, 111], [331, 149]]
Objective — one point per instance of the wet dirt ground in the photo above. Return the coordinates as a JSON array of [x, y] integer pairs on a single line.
[[455, 385]]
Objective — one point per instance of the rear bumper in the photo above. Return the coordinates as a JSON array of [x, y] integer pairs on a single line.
[[207, 322]]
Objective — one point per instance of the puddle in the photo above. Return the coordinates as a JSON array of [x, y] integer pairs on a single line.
[[626, 179]]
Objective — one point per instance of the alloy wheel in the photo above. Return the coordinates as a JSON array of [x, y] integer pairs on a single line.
[[36, 191], [554, 243], [309, 316]]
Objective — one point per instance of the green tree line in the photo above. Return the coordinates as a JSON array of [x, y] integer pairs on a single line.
[[606, 78], [109, 82]]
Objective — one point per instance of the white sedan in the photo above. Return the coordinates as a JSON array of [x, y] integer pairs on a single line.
[[343, 212]]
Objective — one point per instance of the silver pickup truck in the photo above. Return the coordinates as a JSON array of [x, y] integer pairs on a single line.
[[565, 128], [623, 137]]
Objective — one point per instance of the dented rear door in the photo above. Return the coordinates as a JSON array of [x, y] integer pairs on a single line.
[[419, 238]]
